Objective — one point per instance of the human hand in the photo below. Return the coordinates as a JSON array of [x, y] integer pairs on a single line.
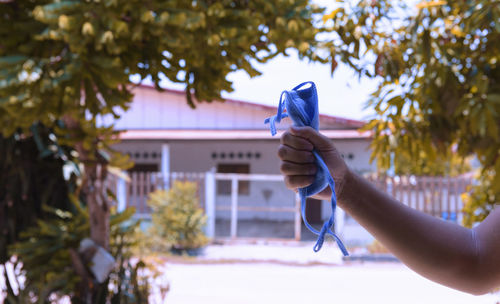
[[297, 160]]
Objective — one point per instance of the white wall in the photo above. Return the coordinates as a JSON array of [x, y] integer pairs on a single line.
[[151, 109], [196, 156]]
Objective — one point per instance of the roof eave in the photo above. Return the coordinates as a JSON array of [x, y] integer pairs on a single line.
[[336, 119], [177, 134]]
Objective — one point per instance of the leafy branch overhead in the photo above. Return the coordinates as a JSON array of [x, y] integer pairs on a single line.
[[69, 57], [65, 63], [438, 69]]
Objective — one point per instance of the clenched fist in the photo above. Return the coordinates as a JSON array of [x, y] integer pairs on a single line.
[[297, 160]]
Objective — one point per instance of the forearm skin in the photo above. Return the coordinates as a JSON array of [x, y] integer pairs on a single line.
[[441, 251]]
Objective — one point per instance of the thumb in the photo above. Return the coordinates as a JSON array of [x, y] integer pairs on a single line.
[[318, 140]]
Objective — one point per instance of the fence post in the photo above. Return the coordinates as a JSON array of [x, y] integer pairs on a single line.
[[165, 165], [210, 203], [121, 194], [234, 206], [298, 225]]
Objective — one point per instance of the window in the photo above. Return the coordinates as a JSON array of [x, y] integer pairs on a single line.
[[224, 186], [144, 168]]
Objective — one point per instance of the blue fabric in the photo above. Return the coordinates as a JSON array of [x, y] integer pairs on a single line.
[[301, 106]]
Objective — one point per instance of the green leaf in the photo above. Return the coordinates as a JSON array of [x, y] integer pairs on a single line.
[[8, 61]]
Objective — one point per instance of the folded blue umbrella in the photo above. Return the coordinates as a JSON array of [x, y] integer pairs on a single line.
[[301, 106]]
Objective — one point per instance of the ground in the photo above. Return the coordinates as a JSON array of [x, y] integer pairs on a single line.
[[353, 234], [292, 273], [271, 283]]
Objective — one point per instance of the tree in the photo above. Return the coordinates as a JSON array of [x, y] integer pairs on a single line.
[[439, 82], [447, 163], [65, 63]]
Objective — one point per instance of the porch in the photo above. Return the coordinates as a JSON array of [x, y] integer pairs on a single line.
[[239, 216]]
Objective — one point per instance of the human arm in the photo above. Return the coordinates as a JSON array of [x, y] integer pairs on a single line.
[[461, 258]]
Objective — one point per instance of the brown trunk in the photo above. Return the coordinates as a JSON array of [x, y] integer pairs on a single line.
[[97, 204], [83, 293], [93, 187]]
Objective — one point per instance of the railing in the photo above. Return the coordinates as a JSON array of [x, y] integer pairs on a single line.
[[135, 191], [235, 208], [437, 196]]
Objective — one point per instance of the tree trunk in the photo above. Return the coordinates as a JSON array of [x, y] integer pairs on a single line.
[[93, 187], [97, 203]]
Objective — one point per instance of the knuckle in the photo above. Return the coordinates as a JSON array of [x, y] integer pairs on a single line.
[[286, 137], [298, 181], [288, 182], [306, 130], [301, 180], [284, 167], [282, 151], [306, 145]]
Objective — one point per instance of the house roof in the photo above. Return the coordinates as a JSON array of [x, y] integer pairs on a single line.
[[333, 119], [227, 134]]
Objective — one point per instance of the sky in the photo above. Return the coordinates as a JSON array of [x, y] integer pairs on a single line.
[[341, 95]]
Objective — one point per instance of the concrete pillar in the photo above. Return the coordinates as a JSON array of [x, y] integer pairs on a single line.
[[121, 195], [165, 165], [234, 207], [210, 203]]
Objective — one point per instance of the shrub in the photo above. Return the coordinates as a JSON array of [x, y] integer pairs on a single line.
[[177, 218], [480, 199], [45, 270]]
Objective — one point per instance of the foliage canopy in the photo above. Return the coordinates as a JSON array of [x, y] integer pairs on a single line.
[[439, 80], [75, 58], [63, 63]]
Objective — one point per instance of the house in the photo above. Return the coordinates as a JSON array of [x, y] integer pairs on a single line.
[[162, 133]]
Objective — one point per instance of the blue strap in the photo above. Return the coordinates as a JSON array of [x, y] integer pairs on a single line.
[[303, 192], [276, 118]]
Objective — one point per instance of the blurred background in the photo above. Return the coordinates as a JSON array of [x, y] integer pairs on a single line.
[[135, 165]]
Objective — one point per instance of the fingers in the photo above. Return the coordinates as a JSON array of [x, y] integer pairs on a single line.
[[296, 142], [298, 181], [318, 140], [287, 153], [297, 160], [289, 168]]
